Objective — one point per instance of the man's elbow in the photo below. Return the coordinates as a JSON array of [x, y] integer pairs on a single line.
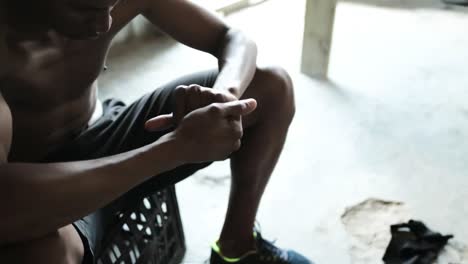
[[233, 37]]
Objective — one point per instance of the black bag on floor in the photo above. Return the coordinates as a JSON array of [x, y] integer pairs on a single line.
[[414, 243]]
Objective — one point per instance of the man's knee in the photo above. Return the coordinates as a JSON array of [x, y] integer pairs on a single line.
[[61, 247], [277, 87]]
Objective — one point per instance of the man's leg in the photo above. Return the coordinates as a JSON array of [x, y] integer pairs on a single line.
[[264, 134], [61, 247]]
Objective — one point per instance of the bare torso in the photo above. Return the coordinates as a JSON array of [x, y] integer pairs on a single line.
[[51, 90]]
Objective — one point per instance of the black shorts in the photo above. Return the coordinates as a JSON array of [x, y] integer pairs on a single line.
[[120, 129]]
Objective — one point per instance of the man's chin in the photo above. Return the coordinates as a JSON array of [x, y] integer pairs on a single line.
[[77, 31], [78, 35]]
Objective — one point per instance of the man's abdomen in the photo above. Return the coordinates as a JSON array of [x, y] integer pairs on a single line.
[[37, 132]]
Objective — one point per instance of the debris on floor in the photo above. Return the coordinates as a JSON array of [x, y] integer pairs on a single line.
[[213, 181], [368, 227], [414, 243]]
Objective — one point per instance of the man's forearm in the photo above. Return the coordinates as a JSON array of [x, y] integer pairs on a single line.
[[237, 63], [41, 198]]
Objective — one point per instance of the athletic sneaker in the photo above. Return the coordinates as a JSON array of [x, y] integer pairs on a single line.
[[266, 253]]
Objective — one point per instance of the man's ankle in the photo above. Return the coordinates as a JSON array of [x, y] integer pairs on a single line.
[[236, 248]]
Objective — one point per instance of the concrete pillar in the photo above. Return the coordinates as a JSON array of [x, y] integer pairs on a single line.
[[318, 31]]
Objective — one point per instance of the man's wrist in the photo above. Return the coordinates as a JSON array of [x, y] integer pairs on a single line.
[[235, 91], [232, 87], [231, 90], [168, 149]]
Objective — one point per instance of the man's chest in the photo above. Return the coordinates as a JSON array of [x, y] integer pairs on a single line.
[[52, 70]]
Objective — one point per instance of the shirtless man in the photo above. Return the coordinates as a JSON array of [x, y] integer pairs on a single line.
[[68, 164]]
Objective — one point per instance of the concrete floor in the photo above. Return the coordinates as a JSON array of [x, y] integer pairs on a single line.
[[390, 123]]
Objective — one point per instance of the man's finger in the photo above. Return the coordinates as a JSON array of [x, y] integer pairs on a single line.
[[220, 98], [193, 98], [179, 103], [207, 97], [159, 123], [239, 108]]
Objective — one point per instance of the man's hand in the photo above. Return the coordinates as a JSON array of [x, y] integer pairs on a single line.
[[186, 100], [213, 132], [193, 97]]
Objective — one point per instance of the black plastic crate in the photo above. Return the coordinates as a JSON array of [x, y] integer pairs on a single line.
[[149, 233]]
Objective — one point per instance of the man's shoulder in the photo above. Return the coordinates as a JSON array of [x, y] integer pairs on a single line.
[[125, 11]]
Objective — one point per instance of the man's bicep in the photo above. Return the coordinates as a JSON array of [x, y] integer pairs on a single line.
[[5, 130], [188, 23]]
